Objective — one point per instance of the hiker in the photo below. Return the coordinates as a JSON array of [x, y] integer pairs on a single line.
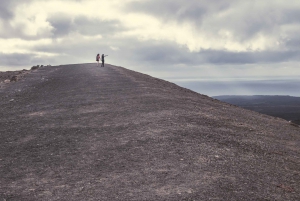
[[102, 58], [97, 59]]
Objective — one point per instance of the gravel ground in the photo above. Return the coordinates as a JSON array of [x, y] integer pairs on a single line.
[[81, 132], [6, 77]]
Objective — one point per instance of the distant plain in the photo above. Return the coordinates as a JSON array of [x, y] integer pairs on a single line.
[[218, 87]]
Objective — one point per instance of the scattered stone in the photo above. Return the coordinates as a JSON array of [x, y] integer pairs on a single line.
[[11, 100], [14, 78]]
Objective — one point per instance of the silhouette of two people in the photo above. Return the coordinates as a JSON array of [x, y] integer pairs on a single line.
[[102, 59]]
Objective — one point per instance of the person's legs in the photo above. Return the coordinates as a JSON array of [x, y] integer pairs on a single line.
[[102, 64]]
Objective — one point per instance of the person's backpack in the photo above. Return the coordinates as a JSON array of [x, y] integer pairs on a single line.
[[96, 57]]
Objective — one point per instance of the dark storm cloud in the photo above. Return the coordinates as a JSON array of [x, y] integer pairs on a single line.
[[64, 24], [290, 16], [227, 57], [61, 23], [17, 59], [7, 15], [88, 26], [7, 8], [244, 20], [293, 43], [192, 10], [168, 53], [81, 52], [267, 21]]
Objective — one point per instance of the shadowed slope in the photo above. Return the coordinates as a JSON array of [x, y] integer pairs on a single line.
[[78, 132]]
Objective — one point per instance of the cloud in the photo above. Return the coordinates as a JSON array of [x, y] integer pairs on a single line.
[[227, 57], [231, 24], [64, 24], [172, 54], [19, 60], [153, 35], [26, 23], [178, 10], [5, 10], [61, 23], [293, 43]]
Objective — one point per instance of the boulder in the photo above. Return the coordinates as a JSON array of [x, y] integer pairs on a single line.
[[14, 78]]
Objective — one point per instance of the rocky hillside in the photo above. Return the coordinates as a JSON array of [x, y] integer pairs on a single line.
[[81, 132]]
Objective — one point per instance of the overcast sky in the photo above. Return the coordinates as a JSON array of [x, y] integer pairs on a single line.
[[165, 38]]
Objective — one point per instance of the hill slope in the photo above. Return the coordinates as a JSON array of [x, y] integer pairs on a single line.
[[78, 132]]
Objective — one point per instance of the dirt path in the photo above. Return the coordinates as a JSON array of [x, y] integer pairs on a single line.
[[78, 132]]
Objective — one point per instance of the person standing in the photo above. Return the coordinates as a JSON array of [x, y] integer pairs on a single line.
[[97, 59], [102, 58]]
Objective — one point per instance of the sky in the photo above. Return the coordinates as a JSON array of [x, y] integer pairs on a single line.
[[169, 39]]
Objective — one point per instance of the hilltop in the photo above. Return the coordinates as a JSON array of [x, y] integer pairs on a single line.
[[78, 132]]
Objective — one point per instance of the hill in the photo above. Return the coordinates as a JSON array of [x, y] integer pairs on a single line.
[[78, 132], [286, 107]]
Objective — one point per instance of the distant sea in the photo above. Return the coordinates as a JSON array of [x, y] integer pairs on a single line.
[[217, 87]]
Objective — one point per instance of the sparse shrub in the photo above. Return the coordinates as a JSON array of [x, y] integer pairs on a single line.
[[34, 67]]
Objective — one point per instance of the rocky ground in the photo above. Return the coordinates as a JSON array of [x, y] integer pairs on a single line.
[[12, 76], [81, 132]]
